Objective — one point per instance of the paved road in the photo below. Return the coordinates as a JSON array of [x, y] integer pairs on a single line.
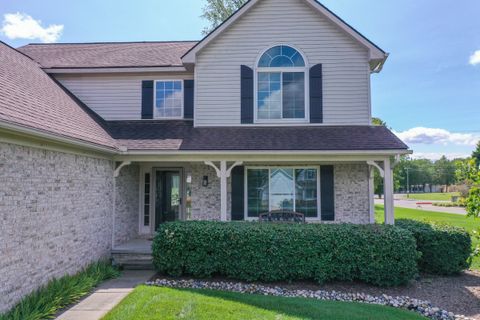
[[412, 204]]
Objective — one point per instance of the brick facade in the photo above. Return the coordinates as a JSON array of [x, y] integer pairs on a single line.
[[127, 199], [351, 193], [55, 213]]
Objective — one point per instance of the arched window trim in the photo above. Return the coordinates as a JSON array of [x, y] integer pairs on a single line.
[[304, 69]]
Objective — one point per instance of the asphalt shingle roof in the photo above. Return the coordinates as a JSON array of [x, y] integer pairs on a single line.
[[30, 98], [108, 54], [181, 135]]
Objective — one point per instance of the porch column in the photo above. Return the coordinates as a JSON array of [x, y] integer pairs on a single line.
[[371, 192], [388, 192], [223, 173]]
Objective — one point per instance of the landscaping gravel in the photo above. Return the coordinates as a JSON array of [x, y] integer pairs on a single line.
[[422, 307]]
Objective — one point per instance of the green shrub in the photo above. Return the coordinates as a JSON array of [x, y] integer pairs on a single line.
[[445, 249], [59, 293], [377, 254]]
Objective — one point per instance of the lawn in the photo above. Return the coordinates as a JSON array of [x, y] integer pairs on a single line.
[[433, 196], [458, 220], [165, 303]]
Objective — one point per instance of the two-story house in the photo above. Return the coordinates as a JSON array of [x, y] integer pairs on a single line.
[[102, 142]]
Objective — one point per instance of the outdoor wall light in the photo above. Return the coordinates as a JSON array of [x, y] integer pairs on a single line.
[[205, 181]]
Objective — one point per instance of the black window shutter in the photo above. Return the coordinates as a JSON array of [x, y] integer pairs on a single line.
[[327, 193], [188, 99], [238, 192], [246, 89], [147, 99], [316, 94]]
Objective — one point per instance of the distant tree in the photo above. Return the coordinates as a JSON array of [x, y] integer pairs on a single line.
[[444, 172], [476, 155], [378, 122], [217, 11]]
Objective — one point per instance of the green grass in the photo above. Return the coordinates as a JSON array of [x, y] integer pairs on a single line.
[[59, 293], [433, 196], [469, 223], [165, 303]]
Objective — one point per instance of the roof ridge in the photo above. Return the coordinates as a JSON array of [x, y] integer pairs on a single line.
[[106, 42]]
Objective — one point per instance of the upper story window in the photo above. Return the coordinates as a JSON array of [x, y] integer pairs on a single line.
[[168, 99], [281, 85]]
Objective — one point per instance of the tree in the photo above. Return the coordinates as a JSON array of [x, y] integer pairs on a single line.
[[378, 122], [476, 155], [444, 172], [217, 11]]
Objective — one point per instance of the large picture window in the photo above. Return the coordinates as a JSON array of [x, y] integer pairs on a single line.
[[168, 99], [282, 188], [281, 85]]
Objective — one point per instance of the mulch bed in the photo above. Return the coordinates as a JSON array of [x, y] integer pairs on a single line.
[[459, 294]]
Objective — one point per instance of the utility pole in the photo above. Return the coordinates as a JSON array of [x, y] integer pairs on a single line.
[[408, 182]]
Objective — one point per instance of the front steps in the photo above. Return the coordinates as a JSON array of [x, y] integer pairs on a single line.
[[134, 255]]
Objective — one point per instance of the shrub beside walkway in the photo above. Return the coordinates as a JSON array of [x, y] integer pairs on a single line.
[[106, 296]]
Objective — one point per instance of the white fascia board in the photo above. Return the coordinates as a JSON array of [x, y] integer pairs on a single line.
[[114, 70], [55, 137], [374, 52], [190, 57], [258, 156]]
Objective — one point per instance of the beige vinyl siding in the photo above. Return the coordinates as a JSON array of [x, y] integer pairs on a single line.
[[114, 96], [346, 71]]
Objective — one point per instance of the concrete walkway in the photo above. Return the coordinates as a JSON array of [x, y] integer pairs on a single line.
[[412, 204], [106, 296]]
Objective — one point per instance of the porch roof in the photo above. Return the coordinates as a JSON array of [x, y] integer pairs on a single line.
[[173, 135]]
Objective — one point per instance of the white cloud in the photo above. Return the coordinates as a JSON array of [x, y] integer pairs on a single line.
[[421, 135], [475, 58], [22, 26], [438, 155]]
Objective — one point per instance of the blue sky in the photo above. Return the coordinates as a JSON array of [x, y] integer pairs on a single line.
[[428, 92]]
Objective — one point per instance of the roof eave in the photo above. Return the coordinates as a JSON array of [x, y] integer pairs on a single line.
[[375, 51], [42, 134]]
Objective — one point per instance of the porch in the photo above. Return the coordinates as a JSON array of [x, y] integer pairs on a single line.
[[325, 188]]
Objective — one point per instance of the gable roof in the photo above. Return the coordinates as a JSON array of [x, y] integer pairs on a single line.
[[32, 101], [377, 55], [108, 54]]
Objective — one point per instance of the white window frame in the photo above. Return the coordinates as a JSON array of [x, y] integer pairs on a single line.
[[155, 111], [245, 194], [305, 70]]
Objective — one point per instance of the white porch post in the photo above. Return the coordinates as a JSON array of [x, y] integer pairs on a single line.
[[388, 192], [223, 173], [371, 191]]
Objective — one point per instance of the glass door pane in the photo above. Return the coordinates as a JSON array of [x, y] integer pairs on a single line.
[[167, 196]]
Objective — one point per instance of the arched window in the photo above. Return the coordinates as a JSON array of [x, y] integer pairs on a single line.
[[281, 85]]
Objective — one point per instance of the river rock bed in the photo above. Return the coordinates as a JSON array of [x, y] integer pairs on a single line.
[[422, 307]]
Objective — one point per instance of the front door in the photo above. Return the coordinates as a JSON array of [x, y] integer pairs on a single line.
[[168, 196]]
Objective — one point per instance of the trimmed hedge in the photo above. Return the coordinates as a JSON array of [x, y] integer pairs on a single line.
[[445, 249], [376, 254]]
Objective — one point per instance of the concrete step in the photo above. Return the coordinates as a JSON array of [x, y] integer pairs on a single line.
[[133, 261]]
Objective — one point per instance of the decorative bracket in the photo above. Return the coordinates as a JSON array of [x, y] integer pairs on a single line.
[[380, 169], [116, 173], [227, 172], [396, 161]]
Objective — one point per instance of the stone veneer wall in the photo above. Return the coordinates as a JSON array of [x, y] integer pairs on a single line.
[[205, 200], [56, 216], [350, 183], [127, 204], [351, 193]]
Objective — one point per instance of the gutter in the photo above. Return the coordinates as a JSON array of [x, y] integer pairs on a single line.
[[56, 137], [393, 152]]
